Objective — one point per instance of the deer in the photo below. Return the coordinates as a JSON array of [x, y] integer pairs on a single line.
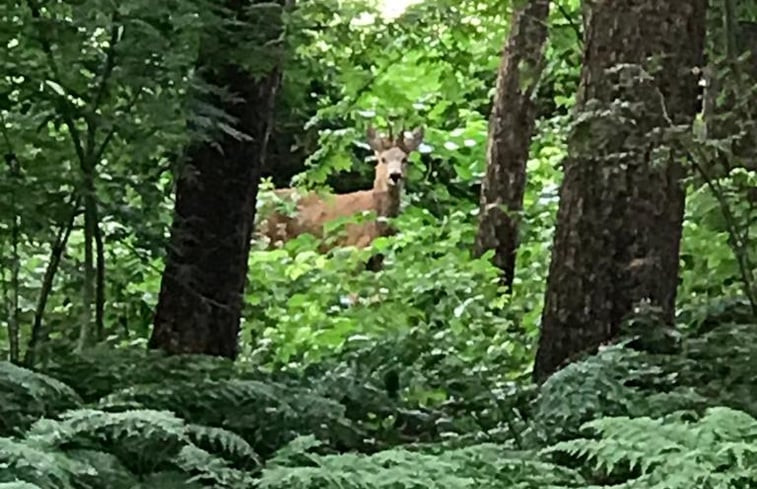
[[313, 211]]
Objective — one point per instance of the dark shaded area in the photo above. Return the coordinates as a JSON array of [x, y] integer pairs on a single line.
[[200, 300]]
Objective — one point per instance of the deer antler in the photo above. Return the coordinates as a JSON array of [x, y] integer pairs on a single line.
[[401, 140]]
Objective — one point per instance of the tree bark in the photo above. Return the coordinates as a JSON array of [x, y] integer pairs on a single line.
[[511, 126], [621, 202], [202, 287]]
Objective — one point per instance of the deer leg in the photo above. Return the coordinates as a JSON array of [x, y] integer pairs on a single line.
[[375, 263]]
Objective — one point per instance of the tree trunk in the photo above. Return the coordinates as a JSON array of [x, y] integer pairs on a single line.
[[621, 202], [511, 126], [57, 247], [202, 288]]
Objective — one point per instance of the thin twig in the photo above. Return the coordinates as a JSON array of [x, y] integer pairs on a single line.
[[740, 248], [106, 140], [63, 102], [110, 61], [102, 88], [571, 22]]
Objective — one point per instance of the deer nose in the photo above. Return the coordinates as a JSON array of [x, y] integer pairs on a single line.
[[395, 177]]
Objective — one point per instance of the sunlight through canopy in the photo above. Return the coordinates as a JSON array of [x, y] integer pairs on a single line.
[[391, 9]]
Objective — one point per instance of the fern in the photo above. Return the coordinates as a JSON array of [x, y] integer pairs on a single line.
[[102, 370], [109, 471], [480, 466], [143, 440], [210, 470], [26, 396], [223, 442], [169, 479], [595, 387], [265, 415], [210, 392], [720, 365], [718, 450], [91, 448], [39, 464]]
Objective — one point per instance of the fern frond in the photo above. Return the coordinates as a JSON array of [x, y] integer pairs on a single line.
[[109, 471], [223, 442], [26, 395], [479, 466], [43, 466], [142, 440], [169, 479], [212, 470], [91, 448], [102, 370], [718, 450], [585, 390], [266, 415]]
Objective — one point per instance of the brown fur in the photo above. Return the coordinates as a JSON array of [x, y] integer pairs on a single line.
[[383, 200]]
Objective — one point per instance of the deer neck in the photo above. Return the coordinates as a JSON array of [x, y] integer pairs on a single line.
[[386, 197], [386, 200]]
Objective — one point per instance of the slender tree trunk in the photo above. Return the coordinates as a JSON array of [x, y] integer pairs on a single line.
[[621, 202], [12, 296], [58, 246], [200, 300], [14, 326], [99, 283], [88, 287], [511, 126]]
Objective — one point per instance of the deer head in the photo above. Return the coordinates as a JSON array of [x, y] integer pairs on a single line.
[[391, 157]]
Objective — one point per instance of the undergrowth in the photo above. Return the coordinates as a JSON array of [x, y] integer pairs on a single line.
[[625, 416]]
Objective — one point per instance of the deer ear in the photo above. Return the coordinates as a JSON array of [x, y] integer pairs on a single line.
[[374, 141], [415, 139]]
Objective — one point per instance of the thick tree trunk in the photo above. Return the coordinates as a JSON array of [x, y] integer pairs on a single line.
[[511, 126], [621, 201], [202, 288]]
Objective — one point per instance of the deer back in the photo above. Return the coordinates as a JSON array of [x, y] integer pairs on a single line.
[[314, 211]]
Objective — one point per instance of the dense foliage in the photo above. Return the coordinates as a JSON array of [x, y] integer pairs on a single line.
[[412, 376], [623, 415]]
